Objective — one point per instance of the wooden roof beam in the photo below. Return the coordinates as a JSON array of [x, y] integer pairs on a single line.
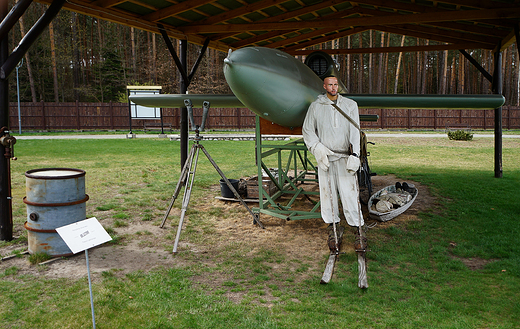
[[455, 34], [128, 19], [377, 50], [288, 15], [473, 28], [330, 37], [439, 38], [394, 5], [363, 21], [306, 36], [463, 37], [509, 39], [494, 23], [240, 11], [302, 11], [111, 16], [107, 3], [303, 37], [259, 38], [273, 34], [478, 4], [174, 10]]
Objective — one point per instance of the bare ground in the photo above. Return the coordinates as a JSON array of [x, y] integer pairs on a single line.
[[144, 246]]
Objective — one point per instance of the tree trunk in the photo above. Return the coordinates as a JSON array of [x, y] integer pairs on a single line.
[[122, 36], [444, 70], [100, 59], [460, 89], [370, 66], [154, 63], [453, 74], [53, 61], [28, 61], [418, 70], [75, 51], [506, 64], [398, 67], [349, 67], [405, 73], [134, 62], [380, 68], [424, 70], [341, 60], [85, 67], [385, 68], [149, 71], [517, 73], [360, 68]]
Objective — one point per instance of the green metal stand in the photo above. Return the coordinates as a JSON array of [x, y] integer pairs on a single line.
[[290, 156]]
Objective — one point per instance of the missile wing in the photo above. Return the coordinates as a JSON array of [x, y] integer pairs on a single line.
[[177, 100], [280, 88]]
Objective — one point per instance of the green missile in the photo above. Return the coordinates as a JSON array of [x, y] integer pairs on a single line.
[[279, 88]]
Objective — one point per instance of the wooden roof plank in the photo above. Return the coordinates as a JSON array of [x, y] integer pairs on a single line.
[[361, 21], [174, 10], [241, 11], [107, 3], [463, 37], [323, 39], [282, 17], [287, 23], [377, 50], [439, 38]]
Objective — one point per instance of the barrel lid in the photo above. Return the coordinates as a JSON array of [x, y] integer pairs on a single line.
[[54, 173]]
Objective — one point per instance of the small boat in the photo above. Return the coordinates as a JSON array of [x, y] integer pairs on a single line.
[[406, 199]]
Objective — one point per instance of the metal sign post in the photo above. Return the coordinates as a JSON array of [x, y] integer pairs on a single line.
[[81, 236]]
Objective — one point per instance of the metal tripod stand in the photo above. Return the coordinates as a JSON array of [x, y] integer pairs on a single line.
[[187, 176]]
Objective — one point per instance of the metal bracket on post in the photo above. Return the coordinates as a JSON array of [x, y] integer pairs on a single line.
[[8, 142]]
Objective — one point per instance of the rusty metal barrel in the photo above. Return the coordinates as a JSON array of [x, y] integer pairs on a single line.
[[55, 197]]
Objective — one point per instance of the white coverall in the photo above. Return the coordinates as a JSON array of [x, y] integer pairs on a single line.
[[328, 134]]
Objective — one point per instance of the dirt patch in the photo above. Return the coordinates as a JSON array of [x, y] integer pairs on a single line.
[[143, 246], [475, 264]]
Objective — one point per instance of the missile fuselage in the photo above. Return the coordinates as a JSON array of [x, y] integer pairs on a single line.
[[273, 84]]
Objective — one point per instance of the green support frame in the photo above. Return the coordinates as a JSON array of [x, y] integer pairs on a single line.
[[297, 160]]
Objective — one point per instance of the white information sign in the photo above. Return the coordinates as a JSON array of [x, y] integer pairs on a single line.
[[144, 112], [83, 235]]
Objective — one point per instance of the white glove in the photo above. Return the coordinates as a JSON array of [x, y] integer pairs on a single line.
[[353, 164], [321, 153]]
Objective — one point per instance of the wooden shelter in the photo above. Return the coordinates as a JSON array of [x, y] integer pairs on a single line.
[[289, 25], [292, 25]]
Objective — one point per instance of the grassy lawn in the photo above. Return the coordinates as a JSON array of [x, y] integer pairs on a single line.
[[418, 270]]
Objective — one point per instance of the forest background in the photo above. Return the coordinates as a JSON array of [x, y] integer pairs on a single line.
[[85, 59]]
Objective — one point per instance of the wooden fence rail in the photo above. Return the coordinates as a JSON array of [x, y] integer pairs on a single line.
[[114, 116]]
